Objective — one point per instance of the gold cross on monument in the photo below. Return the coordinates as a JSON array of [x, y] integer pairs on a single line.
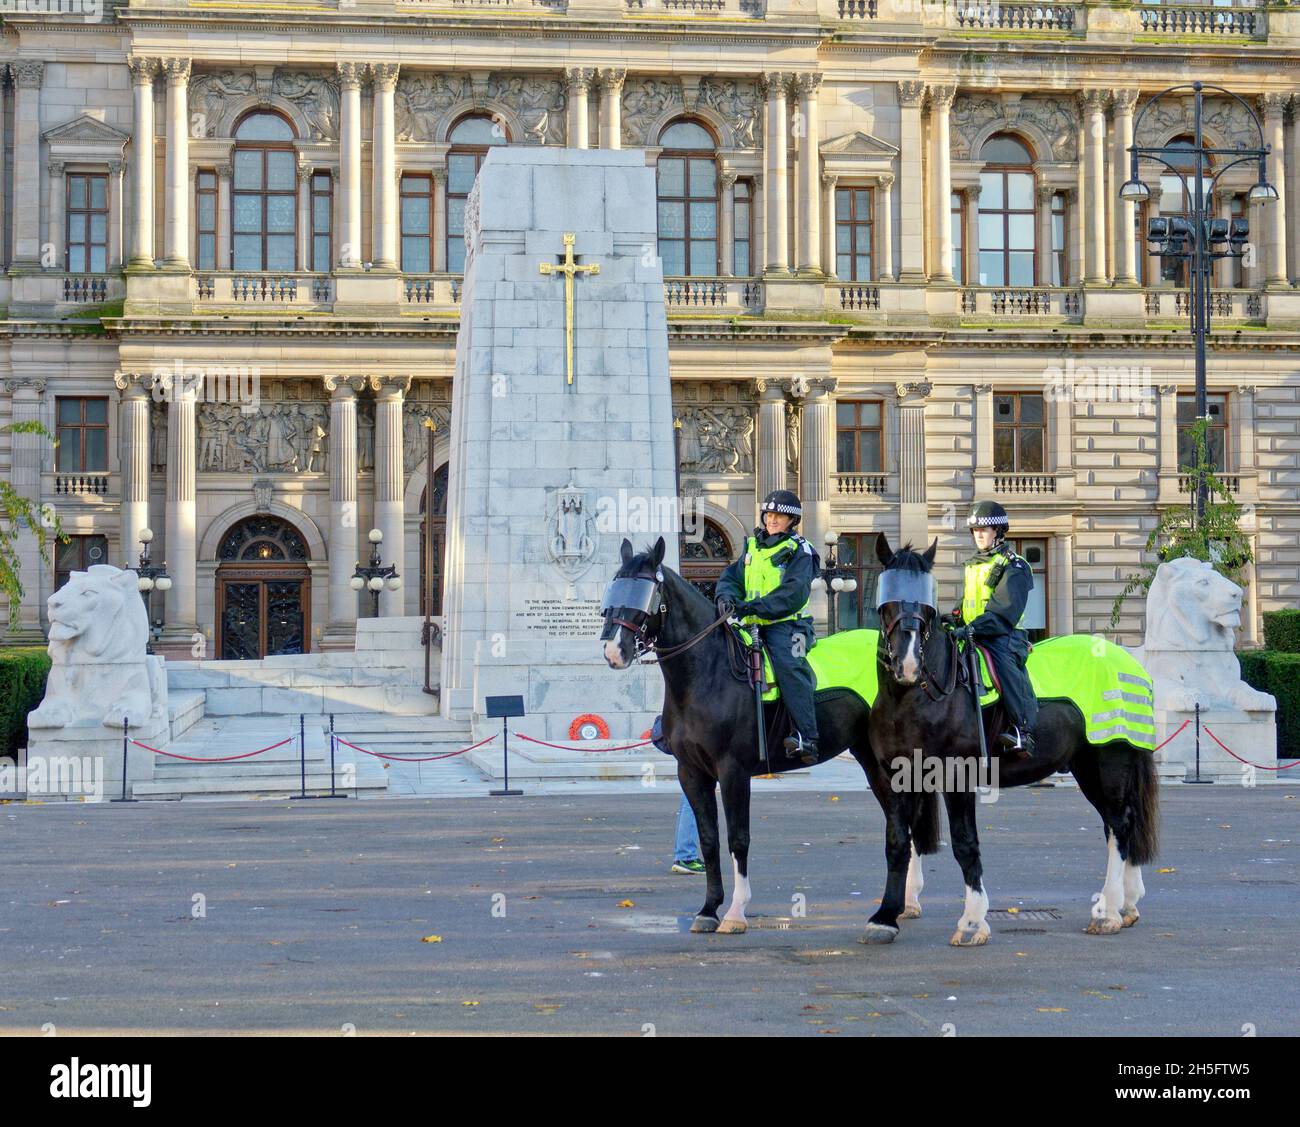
[[568, 268]]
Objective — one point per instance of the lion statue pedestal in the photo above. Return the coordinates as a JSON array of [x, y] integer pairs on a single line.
[[1192, 612], [101, 676]]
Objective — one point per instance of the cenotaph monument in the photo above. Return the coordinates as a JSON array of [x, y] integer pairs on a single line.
[[561, 437]]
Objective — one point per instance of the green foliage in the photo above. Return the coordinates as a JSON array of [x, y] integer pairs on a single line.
[[16, 514], [22, 685], [1279, 675], [1282, 631], [1216, 538]]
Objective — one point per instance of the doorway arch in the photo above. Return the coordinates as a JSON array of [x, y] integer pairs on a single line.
[[263, 590]]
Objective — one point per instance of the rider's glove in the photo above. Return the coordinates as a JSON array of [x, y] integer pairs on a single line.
[[961, 634], [726, 608], [743, 610]]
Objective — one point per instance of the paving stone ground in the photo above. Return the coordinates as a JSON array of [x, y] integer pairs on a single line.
[[315, 912]]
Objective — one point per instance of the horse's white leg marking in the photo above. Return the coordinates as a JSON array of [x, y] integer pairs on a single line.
[[973, 928], [1106, 919], [1134, 890], [734, 920], [915, 882]]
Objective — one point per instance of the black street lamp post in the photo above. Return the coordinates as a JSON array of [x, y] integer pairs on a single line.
[[150, 577], [375, 575], [834, 580], [1195, 236]]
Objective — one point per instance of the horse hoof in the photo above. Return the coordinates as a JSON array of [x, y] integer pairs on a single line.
[[1104, 926], [970, 936], [732, 927], [878, 933], [911, 912], [704, 924], [1128, 917]]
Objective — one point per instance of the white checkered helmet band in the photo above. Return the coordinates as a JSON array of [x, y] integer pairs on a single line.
[[778, 507]]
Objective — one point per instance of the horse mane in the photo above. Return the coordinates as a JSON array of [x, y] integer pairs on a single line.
[[908, 559], [644, 561]]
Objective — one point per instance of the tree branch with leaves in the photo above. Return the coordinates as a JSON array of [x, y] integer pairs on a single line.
[[19, 514]]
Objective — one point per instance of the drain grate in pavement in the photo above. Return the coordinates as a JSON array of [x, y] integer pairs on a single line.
[[1022, 931], [1262, 880], [580, 890], [1034, 914], [776, 923]]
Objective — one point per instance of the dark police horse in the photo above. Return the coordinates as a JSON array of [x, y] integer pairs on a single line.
[[916, 707], [709, 719]]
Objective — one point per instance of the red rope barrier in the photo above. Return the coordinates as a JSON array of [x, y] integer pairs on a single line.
[[414, 759], [1180, 728], [1247, 762], [217, 759], [589, 751]]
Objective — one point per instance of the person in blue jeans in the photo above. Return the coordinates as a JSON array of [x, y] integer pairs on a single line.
[[686, 847]]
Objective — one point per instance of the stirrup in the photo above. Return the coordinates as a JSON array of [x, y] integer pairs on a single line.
[[805, 750]]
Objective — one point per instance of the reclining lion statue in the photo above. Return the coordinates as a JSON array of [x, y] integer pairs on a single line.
[[1192, 612], [101, 672]]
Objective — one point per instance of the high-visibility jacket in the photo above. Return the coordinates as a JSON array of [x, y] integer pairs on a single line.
[[1009, 595], [778, 575]]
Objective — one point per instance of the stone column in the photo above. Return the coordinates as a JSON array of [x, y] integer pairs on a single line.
[[810, 162], [1246, 439], [769, 473], [778, 239], [224, 172], [390, 483], [758, 214], [971, 204], [982, 426], [304, 217], [1273, 107], [611, 107], [829, 180], [142, 162], [1168, 430], [1293, 184], [1093, 105], [1125, 211], [343, 505], [578, 80], [817, 459], [1043, 198], [349, 256], [884, 227], [25, 477], [727, 224], [176, 231], [133, 445], [438, 220], [383, 160], [4, 250], [1254, 272], [911, 217], [1221, 202], [941, 98], [913, 518], [115, 198], [54, 217], [28, 75], [182, 600]]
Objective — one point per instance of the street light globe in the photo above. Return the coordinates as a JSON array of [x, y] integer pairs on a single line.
[[376, 536], [850, 585], [1262, 193], [818, 584], [394, 582], [832, 538], [357, 583], [144, 583], [1135, 191], [376, 584], [164, 583], [837, 584], [146, 535]]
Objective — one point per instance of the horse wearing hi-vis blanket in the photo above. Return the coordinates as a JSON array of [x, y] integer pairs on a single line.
[[710, 726]]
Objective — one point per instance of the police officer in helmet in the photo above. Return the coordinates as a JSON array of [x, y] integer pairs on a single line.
[[768, 588], [995, 592]]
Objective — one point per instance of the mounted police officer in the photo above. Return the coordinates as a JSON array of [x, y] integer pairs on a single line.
[[768, 588], [994, 595]]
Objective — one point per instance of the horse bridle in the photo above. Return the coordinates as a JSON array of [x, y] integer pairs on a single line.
[[642, 639], [913, 593]]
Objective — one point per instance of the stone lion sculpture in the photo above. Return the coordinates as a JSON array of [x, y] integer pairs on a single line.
[[1192, 612], [101, 672]]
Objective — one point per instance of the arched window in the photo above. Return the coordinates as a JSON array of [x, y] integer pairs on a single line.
[[263, 539], [264, 194], [705, 553], [688, 200], [1006, 232], [470, 138]]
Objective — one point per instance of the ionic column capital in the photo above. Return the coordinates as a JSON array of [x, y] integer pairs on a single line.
[[389, 386], [913, 394], [30, 386], [344, 387]]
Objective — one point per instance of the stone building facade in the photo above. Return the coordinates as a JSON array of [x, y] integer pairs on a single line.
[[900, 278]]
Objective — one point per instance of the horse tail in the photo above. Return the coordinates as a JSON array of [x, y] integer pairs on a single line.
[[1142, 808], [925, 823]]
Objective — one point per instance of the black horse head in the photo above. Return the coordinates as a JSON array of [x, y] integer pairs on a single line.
[[907, 605], [634, 605]]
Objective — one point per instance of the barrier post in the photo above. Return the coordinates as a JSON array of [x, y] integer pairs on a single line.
[[302, 753], [124, 743], [332, 794], [1198, 778]]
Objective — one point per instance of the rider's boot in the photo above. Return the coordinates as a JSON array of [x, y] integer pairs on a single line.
[[1020, 740], [806, 750]]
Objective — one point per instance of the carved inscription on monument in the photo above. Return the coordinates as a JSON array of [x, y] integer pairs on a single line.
[[560, 618]]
